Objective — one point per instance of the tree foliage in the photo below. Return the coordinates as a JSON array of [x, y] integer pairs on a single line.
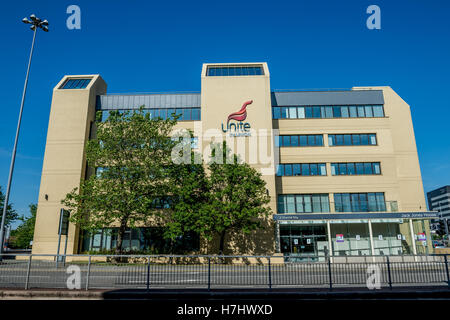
[[24, 233], [11, 214], [131, 152], [232, 197]]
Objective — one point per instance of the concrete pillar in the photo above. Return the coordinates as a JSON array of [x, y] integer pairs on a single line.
[[372, 246], [413, 238], [330, 247]]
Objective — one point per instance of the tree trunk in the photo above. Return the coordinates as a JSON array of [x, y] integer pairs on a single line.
[[222, 242], [122, 229]]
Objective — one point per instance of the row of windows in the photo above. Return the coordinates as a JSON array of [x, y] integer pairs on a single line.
[[305, 112], [360, 139], [302, 169], [319, 169], [75, 84], [359, 202], [304, 140], [303, 203], [355, 168], [344, 202], [185, 114], [224, 71]]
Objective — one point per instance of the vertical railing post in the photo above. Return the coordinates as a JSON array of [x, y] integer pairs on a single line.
[[270, 276], [446, 269], [329, 273], [88, 273], [148, 274], [209, 273], [389, 272], [28, 272]]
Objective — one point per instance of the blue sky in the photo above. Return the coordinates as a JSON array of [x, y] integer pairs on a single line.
[[159, 46]]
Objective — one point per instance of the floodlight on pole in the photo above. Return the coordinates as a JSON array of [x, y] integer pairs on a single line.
[[36, 23]]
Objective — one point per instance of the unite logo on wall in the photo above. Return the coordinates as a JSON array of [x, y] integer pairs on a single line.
[[238, 129]]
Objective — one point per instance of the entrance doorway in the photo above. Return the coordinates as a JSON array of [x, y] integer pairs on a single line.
[[303, 242]]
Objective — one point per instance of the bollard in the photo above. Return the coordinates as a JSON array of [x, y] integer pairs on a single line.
[[389, 272], [28, 272], [329, 273]]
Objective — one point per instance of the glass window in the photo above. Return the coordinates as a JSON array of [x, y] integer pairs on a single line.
[[337, 112], [299, 203], [305, 169], [231, 71], [294, 141], [322, 169], [353, 112], [316, 112], [381, 205], [359, 168], [344, 111], [301, 112], [334, 169], [179, 113], [342, 168], [163, 114], [328, 112], [363, 205], [279, 170], [292, 113], [286, 141], [308, 112], [314, 169], [307, 202], [283, 112], [378, 111], [290, 202], [376, 168], [372, 202], [372, 139], [351, 169], [195, 114], [316, 203], [339, 140], [238, 71], [281, 204], [325, 203], [338, 202], [368, 168], [319, 140], [369, 113], [311, 140], [105, 115], [355, 202], [346, 204], [364, 139], [288, 169], [276, 112], [296, 169], [356, 139], [347, 140], [303, 141], [361, 112], [331, 139], [75, 84]]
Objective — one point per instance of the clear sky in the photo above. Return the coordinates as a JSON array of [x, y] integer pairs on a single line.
[[159, 46]]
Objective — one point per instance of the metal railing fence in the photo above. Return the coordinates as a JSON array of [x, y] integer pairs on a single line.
[[209, 272]]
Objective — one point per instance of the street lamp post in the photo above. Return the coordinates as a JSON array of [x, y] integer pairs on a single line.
[[36, 23]]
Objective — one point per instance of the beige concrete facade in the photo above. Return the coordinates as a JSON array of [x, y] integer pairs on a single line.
[[73, 111]]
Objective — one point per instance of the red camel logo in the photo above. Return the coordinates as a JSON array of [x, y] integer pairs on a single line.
[[241, 115]]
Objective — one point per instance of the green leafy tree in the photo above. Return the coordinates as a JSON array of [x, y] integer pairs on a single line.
[[24, 233], [11, 214], [131, 152], [231, 198]]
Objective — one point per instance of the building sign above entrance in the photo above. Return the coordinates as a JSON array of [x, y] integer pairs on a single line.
[[359, 215]]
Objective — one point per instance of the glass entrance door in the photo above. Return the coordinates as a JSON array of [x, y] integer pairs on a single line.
[[303, 242]]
